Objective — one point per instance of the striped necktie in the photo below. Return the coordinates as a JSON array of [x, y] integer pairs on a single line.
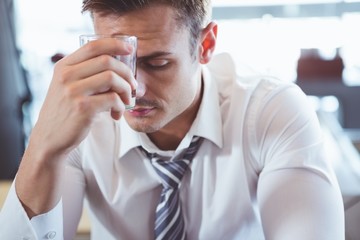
[[169, 223]]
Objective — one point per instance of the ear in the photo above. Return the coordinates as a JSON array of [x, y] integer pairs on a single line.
[[207, 42]]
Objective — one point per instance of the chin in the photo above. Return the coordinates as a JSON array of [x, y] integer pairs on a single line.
[[142, 125]]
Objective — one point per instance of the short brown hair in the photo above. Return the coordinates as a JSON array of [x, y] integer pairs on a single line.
[[192, 14]]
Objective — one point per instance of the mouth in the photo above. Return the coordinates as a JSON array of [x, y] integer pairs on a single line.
[[139, 111]]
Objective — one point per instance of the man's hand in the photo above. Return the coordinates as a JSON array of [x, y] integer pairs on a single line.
[[85, 83]]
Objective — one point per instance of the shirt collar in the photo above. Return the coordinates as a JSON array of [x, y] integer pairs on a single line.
[[207, 124]]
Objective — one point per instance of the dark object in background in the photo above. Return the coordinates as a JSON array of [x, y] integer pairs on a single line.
[[312, 67], [320, 77], [57, 57], [14, 93]]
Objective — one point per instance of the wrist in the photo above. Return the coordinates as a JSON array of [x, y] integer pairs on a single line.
[[39, 179]]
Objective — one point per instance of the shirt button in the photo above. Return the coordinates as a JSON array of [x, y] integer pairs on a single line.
[[51, 235], [25, 238]]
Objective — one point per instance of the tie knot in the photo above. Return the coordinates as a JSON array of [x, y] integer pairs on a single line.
[[171, 172]]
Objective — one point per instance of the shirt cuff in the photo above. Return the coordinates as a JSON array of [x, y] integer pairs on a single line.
[[15, 223], [49, 225]]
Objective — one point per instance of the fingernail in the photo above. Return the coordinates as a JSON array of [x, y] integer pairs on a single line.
[[130, 48]]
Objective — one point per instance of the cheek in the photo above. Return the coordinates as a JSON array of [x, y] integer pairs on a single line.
[[157, 84], [175, 86], [184, 88]]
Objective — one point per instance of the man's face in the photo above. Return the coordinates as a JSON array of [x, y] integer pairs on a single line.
[[169, 72]]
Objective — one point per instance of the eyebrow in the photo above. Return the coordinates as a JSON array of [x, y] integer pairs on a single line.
[[153, 55]]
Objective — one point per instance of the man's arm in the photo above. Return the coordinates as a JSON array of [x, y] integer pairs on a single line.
[[15, 223], [298, 193], [300, 204], [84, 84]]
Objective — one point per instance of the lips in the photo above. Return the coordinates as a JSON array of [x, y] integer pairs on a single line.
[[140, 111]]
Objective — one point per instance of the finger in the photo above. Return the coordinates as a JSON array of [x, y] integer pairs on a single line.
[[116, 115], [109, 101], [104, 46], [100, 64], [103, 82]]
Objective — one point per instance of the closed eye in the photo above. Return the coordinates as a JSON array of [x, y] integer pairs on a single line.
[[155, 64], [155, 61]]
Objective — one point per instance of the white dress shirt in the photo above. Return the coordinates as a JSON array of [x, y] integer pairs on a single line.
[[260, 172]]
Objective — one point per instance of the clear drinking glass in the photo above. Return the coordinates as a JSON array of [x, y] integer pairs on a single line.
[[129, 60]]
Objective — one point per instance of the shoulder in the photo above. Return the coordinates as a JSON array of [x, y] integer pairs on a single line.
[[229, 77]]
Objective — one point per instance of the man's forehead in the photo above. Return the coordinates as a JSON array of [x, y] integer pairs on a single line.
[[144, 23], [155, 27]]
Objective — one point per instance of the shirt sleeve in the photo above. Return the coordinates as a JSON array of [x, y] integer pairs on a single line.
[[49, 225], [59, 223], [15, 223], [298, 193]]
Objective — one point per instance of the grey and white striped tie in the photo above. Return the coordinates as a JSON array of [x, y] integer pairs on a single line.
[[169, 223]]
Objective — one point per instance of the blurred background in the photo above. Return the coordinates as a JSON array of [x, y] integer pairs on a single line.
[[314, 43]]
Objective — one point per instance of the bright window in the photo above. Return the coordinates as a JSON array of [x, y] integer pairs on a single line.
[[268, 44]]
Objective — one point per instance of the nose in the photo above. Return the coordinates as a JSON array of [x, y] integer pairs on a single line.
[[140, 90]]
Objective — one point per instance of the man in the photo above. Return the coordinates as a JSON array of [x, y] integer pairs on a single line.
[[259, 172]]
